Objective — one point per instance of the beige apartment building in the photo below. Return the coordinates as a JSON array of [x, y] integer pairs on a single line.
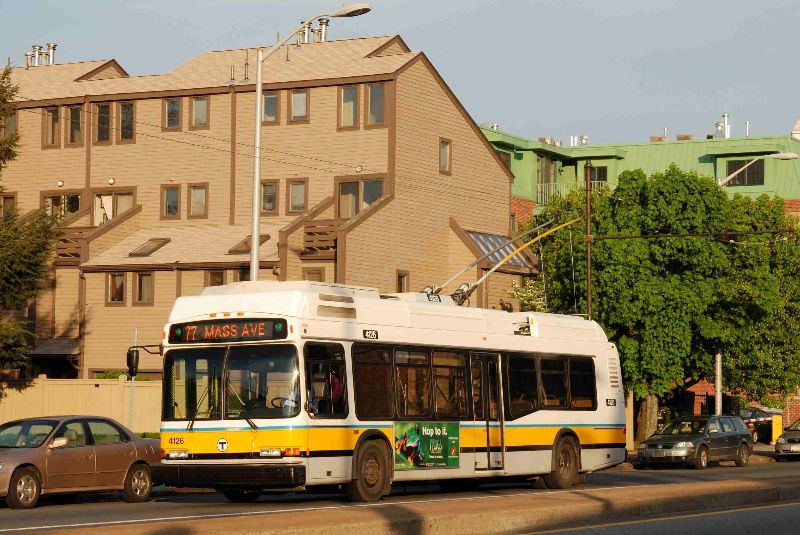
[[372, 174]]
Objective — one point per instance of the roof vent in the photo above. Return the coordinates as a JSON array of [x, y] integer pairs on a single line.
[[657, 139], [684, 137]]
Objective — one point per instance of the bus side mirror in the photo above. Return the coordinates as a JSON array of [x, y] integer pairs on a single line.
[[133, 362]]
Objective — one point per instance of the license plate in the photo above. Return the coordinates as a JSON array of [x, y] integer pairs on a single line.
[[659, 453], [795, 447]]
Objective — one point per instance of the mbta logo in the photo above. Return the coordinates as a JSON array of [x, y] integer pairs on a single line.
[[222, 445]]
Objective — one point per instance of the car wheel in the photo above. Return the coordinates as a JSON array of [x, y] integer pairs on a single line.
[[372, 473], [566, 462], [701, 458], [743, 455], [137, 484], [24, 489], [755, 436], [241, 496]]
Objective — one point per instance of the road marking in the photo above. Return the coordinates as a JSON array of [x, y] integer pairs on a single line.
[[532, 492], [664, 519]]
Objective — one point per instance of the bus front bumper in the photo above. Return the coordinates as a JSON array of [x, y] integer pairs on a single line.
[[221, 475]]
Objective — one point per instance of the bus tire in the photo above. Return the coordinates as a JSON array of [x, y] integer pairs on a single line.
[[371, 477], [565, 456]]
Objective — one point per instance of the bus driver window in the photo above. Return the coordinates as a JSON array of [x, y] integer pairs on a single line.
[[325, 380]]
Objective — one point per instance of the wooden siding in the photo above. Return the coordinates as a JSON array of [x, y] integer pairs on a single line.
[[67, 311], [496, 286], [192, 282]]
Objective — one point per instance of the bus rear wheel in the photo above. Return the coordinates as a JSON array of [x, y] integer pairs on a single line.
[[371, 474], [565, 456]]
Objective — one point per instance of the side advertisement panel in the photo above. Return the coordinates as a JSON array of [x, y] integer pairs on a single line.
[[420, 445]]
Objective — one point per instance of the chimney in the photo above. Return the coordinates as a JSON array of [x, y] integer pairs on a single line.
[[747, 129], [796, 130], [657, 139], [37, 50], [584, 139], [684, 137], [51, 53], [323, 30], [726, 126], [28, 60], [306, 34]]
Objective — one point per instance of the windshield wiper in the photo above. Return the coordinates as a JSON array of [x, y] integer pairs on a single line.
[[241, 412], [200, 401]]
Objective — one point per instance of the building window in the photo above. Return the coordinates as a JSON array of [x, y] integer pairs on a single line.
[[62, 205], [109, 205], [172, 114], [75, 126], [149, 247], [215, 277], [298, 196], [269, 197], [170, 202], [198, 200], [199, 112], [244, 274], [8, 127], [271, 110], [356, 195], [115, 289], [505, 157], [599, 173], [102, 130], [8, 204], [375, 104], [298, 106], [348, 106], [445, 156], [143, 291], [752, 176], [51, 128], [402, 282], [126, 122]]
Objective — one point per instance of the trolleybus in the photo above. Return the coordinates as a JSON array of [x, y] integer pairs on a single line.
[[288, 385]]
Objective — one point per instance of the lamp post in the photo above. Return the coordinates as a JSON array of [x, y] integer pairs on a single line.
[[352, 10], [718, 351], [588, 175]]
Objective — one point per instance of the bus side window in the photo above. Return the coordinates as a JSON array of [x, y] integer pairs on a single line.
[[449, 381], [372, 382], [554, 382], [477, 390], [413, 386], [325, 380], [522, 387], [582, 383]]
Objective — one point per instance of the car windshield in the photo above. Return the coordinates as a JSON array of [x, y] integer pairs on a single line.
[[683, 427], [795, 426], [25, 434]]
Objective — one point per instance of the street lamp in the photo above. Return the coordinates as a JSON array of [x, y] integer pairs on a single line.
[[717, 351], [777, 156], [352, 10]]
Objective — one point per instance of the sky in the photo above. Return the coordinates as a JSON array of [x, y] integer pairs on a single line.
[[617, 71]]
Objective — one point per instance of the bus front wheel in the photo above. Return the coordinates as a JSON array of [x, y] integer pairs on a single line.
[[565, 456], [371, 475]]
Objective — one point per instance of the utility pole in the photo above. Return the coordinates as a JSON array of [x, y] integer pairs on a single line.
[[588, 216], [717, 381]]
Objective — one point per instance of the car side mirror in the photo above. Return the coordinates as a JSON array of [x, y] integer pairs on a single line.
[[59, 442]]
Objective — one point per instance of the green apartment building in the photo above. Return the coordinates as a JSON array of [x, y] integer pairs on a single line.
[[543, 168]]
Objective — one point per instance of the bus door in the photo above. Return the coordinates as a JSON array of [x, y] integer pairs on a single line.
[[487, 391]]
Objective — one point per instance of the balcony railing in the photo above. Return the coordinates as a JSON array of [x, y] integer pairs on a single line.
[[545, 192]]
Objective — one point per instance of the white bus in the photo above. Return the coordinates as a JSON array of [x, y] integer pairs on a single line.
[[287, 385]]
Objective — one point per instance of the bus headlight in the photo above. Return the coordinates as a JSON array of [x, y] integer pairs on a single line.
[[270, 452], [178, 454]]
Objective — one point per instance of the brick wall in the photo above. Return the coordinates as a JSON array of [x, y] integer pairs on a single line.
[[522, 209], [792, 206], [792, 411]]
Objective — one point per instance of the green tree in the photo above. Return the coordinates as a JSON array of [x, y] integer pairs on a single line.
[[668, 302], [26, 246]]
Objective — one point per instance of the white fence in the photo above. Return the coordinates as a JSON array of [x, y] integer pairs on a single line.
[[100, 397]]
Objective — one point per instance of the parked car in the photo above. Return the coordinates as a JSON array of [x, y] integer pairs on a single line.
[[788, 444], [70, 454], [758, 421], [696, 440]]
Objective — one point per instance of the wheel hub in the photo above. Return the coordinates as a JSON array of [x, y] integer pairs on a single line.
[[26, 489], [371, 472]]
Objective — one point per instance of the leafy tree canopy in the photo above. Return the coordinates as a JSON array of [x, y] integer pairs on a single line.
[[667, 302]]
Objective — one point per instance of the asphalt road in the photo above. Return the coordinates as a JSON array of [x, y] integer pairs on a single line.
[[96, 510], [772, 518]]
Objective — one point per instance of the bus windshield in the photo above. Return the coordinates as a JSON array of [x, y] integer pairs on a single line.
[[234, 382]]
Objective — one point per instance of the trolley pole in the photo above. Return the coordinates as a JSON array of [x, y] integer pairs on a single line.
[[588, 216]]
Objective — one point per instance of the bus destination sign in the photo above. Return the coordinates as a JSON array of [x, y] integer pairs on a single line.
[[227, 330]]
